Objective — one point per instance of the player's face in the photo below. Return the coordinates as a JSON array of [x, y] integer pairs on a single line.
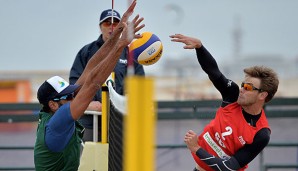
[[107, 27], [249, 91], [57, 102]]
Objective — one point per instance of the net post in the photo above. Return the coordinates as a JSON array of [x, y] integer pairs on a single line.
[[104, 117], [139, 125], [105, 100]]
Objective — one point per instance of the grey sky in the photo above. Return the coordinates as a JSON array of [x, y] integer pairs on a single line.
[[47, 34]]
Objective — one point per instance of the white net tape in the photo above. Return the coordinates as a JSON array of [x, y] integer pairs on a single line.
[[118, 100]]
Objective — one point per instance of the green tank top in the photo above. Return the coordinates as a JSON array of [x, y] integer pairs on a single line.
[[66, 160]]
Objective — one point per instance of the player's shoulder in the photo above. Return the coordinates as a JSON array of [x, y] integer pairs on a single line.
[[263, 136], [91, 45], [87, 49]]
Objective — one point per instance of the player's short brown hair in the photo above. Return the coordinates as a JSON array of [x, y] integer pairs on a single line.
[[268, 77]]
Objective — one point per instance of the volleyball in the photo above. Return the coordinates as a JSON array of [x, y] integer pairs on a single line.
[[146, 50]]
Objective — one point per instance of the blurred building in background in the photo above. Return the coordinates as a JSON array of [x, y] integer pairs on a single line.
[[183, 78], [22, 86], [178, 79], [15, 90]]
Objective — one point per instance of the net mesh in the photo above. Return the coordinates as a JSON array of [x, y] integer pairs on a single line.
[[115, 133], [115, 139]]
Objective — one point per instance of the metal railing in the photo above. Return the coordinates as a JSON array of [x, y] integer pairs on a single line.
[[263, 166], [171, 110]]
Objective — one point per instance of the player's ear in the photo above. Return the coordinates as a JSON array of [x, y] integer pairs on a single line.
[[263, 95]]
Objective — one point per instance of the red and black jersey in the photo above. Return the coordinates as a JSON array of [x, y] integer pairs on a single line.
[[228, 132], [234, 137]]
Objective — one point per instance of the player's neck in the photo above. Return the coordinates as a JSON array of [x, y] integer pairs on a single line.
[[252, 110]]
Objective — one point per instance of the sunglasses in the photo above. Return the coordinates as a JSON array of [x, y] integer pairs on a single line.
[[109, 23], [250, 87], [65, 97]]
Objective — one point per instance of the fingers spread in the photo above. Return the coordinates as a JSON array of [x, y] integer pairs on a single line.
[[139, 28], [137, 20]]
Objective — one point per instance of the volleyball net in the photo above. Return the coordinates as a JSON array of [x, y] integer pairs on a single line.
[[128, 129], [115, 154]]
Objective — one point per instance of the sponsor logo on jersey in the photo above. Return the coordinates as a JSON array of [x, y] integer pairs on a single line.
[[123, 61], [240, 138], [214, 146]]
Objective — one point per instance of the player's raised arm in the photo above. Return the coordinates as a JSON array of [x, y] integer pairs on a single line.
[[111, 42], [98, 71]]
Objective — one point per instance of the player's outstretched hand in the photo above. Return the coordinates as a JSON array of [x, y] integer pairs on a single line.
[[126, 36], [190, 42], [132, 27]]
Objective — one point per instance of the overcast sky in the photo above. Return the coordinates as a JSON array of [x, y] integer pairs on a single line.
[[47, 34]]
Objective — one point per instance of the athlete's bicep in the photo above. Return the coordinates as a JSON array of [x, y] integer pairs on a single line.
[[246, 154], [228, 89], [59, 129]]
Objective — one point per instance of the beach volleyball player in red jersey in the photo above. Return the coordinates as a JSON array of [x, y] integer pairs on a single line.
[[240, 130]]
